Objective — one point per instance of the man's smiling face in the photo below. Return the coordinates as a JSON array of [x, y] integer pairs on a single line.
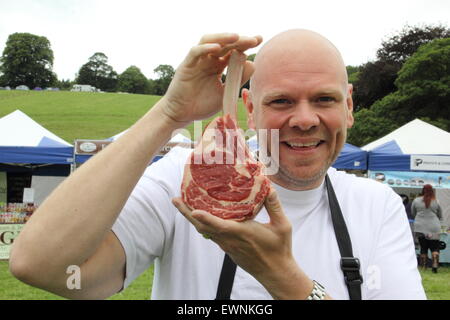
[[300, 88]]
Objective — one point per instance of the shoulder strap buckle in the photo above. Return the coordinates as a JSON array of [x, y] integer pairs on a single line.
[[350, 267]]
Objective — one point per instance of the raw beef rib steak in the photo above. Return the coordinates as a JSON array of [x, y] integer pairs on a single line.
[[222, 177]]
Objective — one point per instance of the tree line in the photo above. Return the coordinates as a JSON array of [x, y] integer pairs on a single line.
[[409, 78], [28, 60]]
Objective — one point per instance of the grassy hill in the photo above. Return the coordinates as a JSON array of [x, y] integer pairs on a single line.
[[84, 115]]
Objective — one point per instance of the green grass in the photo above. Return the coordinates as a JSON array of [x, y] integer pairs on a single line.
[[437, 286], [13, 289], [85, 115]]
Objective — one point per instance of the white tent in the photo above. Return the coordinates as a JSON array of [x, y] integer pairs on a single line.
[[416, 137], [28, 150], [392, 161], [18, 129]]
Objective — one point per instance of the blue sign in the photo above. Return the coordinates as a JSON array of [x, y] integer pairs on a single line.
[[414, 179]]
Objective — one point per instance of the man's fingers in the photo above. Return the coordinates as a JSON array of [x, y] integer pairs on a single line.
[[198, 218], [248, 71], [203, 221], [219, 46], [187, 213], [244, 43], [212, 223], [201, 50], [222, 38]]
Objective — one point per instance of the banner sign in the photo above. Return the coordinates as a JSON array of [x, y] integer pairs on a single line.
[[430, 163], [406, 179], [165, 150], [8, 232], [90, 147]]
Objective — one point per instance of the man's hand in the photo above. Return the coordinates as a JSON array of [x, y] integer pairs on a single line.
[[196, 91], [263, 250]]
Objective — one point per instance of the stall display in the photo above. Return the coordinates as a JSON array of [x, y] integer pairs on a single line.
[[411, 156], [13, 217], [16, 213]]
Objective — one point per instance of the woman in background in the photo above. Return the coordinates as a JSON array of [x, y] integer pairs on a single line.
[[427, 225]]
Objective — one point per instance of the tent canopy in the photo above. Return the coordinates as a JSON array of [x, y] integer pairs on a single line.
[[22, 140], [351, 158], [393, 151], [416, 137]]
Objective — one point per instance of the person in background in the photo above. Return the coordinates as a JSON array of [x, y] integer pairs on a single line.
[[427, 215], [407, 205]]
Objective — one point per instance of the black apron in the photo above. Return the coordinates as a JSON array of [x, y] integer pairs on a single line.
[[350, 266]]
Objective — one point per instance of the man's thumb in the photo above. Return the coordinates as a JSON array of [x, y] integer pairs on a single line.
[[273, 207]]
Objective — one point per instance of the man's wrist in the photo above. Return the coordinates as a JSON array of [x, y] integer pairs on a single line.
[[159, 109], [289, 283]]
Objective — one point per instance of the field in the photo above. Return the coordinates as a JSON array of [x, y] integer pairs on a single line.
[[84, 115], [74, 115], [437, 287], [13, 289]]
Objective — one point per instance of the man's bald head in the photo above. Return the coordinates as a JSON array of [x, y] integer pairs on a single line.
[[298, 46]]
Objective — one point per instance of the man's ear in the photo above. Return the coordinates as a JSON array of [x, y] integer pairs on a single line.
[[247, 99], [350, 118]]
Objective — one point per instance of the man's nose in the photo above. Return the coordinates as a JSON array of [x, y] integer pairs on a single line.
[[304, 116]]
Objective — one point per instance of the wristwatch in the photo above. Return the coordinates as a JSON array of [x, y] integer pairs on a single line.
[[317, 293]]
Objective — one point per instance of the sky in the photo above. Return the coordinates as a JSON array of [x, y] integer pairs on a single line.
[[149, 33]]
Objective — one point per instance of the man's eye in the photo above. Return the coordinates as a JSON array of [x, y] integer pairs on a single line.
[[326, 99], [280, 101]]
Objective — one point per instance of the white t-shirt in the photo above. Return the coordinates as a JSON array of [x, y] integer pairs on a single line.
[[187, 266]]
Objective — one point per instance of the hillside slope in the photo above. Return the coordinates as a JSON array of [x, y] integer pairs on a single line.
[[84, 115]]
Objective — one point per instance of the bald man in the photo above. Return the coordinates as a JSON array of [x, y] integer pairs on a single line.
[[114, 217], [303, 91]]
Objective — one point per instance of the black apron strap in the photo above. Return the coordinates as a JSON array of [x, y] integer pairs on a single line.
[[226, 279], [350, 266]]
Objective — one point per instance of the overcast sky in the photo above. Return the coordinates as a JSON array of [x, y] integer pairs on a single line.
[[153, 32]]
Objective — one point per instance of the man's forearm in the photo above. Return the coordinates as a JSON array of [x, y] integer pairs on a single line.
[[74, 219], [288, 283]]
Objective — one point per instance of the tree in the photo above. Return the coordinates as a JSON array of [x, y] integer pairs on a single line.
[[247, 84], [353, 73], [133, 81], [27, 60], [424, 83], [152, 86], [423, 92], [64, 84], [98, 73], [368, 127], [400, 47], [377, 79], [165, 74]]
